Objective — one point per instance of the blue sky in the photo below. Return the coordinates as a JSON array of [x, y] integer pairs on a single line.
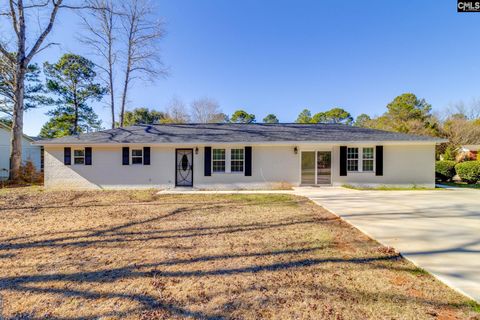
[[279, 56]]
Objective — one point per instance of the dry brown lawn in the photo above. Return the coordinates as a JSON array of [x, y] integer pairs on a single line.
[[137, 255]]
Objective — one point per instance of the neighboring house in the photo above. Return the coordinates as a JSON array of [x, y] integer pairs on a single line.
[[216, 156], [29, 151], [469, 152]]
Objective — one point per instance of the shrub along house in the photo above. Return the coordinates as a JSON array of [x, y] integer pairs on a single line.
[[230, 156]]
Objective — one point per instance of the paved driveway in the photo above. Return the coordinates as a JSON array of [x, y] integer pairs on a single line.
[[439, 230]]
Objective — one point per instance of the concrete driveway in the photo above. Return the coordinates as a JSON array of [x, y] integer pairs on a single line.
[[439, 230]]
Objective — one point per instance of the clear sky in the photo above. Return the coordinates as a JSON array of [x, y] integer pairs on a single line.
[[279, 56]]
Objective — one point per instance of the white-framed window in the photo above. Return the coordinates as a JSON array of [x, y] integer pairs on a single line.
[[218, 160], [236, 160], [137, 156], [368, 156], [79, 156], [352, 159]]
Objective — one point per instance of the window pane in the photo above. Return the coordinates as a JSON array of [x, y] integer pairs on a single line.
[[367, 153], [352, 153], [352, 165], [78, 153], [237, 166], [218, 154], [218, 166], [137, 152], [236, 163], [308, 167], [137, 160], [237, 154], [367, 165], [79, 160], [352, 159]]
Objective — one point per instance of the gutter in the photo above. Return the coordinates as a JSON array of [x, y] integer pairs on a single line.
[[266, 143]]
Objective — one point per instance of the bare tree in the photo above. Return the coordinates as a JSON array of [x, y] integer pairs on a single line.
[[176, 112], [17, 12], [470, 111], [141, 35], [461, 124], [206, 110], [101, 26]]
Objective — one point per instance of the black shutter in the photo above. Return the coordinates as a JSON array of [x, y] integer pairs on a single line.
[[125, 156], [248, 161], [146, 156], [379, 160], [208, 162], [88, 156], [67, 156], [343, 161]]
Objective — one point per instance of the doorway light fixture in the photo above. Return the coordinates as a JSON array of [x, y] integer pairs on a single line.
[[295, 150]]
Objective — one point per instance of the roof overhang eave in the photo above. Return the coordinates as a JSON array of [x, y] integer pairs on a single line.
[[293, 142]]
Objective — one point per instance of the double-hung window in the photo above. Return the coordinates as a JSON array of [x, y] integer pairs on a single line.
[[218, 161], [237, 159], [137, 156], [352, 159], [368, 156], [79, 156]]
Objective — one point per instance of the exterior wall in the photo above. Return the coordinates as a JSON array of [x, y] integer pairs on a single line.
[[272, 166], [29, 152], [403, 165]]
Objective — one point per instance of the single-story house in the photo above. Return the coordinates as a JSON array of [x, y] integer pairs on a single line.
[[469, 151], [30, 151], [216, 156]]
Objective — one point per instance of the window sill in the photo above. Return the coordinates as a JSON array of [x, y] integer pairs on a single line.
[[236, 172], [360, 171]]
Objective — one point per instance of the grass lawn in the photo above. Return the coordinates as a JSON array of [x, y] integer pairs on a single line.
[[137, 255]]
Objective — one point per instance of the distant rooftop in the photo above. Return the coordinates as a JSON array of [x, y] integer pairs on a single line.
[[235, 133]]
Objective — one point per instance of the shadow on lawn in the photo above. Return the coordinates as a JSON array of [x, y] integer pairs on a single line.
[[288, 259], [122, 237], [150, 303]]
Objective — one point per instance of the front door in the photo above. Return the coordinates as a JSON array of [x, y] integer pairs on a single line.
[[316, 167], [324, 167], [308, 167], [184, 168]]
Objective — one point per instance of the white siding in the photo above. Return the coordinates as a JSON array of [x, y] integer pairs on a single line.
[[271, 166], [29, 152], [403, 165]]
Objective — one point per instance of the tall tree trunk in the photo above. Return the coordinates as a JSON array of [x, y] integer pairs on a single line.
[[19, 92], [75, 120], [124, 97], [17, 127], [112, 95]]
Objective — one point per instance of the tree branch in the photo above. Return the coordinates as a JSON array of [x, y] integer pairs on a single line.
[[14, 17], [37, 5], [48, 45], [41, 38]]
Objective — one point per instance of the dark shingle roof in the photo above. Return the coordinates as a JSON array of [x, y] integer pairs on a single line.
[[228, 132]]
